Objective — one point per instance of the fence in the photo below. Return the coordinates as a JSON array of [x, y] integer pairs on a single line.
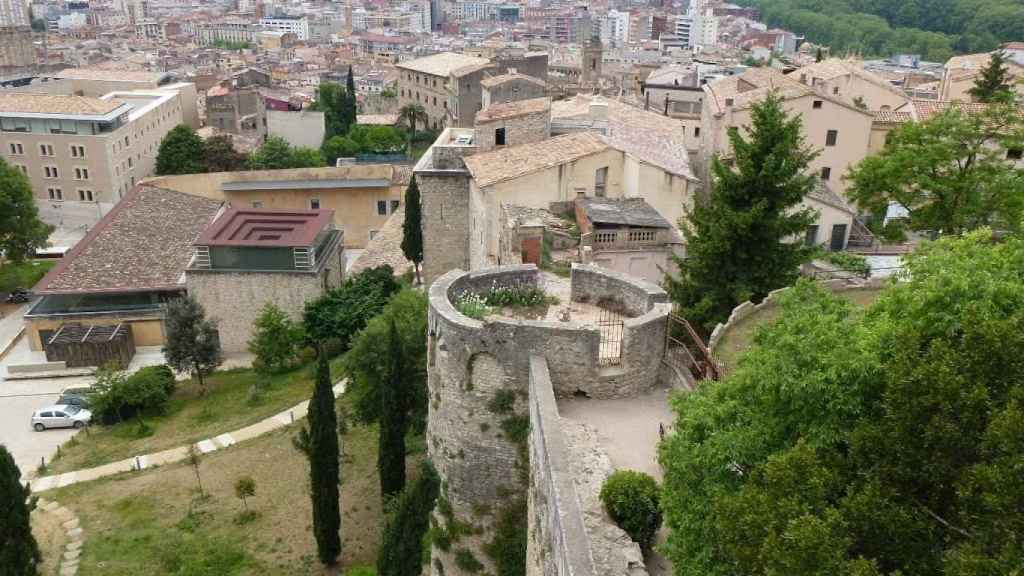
[[609, 324], [685, 350], [98, 345]]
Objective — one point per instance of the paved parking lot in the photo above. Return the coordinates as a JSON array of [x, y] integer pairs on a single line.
[[18, 399]]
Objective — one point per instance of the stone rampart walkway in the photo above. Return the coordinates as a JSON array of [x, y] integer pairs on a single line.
[[143, 461]]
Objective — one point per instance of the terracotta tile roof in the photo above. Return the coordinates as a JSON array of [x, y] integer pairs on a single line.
[[892, 117], [499, 165], [493, 81], [441, 64], [744, 90], [55, 104], [144, 243], [513, 109], [835, 68], [925, 109]]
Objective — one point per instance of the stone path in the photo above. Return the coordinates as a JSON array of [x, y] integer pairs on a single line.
[[144, 461], [73, 535]]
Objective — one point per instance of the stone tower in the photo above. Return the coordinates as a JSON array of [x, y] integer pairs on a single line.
[[590, 63]]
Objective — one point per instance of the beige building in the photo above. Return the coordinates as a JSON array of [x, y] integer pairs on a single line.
[[848, 80], [16, 48], [433, 82], [832, 123], [88, 149], [362, 196], [960, 72]]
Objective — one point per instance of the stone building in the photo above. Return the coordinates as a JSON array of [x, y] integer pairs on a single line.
[[247, 258], [487, 378], [511, 87], [16, 49], [239, 111]]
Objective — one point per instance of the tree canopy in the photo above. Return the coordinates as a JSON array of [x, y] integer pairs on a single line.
[[343, 311], [277, 154], [19, 553], [219, 154], [738, 242], [868, 443], [993, 81], [181, 152], [21, 230], [412, 227], [192, 343], [951, 172]]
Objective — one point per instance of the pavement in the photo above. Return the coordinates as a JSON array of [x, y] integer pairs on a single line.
[[144, 461]]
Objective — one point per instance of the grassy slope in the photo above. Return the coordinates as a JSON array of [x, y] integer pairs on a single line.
[[189, 418], [24, 275], [139, 523]]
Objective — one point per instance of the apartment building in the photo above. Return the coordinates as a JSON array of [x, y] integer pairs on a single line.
[[294, 24], [87, 149], [848, 79], [832, 123], [227, 31], [444, 85]]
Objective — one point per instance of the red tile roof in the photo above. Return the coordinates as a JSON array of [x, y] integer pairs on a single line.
[[258, 227]]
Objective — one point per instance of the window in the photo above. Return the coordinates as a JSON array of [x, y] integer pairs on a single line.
[[830, 137], [257, 204], [126, 141], [811, 237], [499, 136], [85, 195], [382, 207], [1014, 154], [23, 168], [77, 151], [55, 193], [373, 234], [826, 173], [50, 172], [729, 101], [130, 162], [696, 132], [600, 181], [17, 149], [835, 90], [314, 203], [46, 150], [81, 173], [394, 205], [816, 105]]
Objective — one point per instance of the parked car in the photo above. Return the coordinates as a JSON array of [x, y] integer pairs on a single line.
[[75, 397], [60, 416], [19, 296]]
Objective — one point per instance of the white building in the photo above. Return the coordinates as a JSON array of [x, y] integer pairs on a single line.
[[296, 25], [615, 28]]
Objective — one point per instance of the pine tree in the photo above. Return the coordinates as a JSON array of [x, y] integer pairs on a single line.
[[992, 83], [401, 549], [412, 232], [740, 242], [393, 421], [19, 553], [324, 465], [348, 104], [192, 343]]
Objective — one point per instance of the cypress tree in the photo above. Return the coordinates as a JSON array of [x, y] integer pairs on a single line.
[[324, 466], [19, 554], [407, 522], [992, 83], [739, 243], [412, 232], [391, 457], [348, 103]]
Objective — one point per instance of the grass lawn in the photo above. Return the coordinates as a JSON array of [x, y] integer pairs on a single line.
[[50, 538], [139, 523], [740, 337], [24, 275], [189, 417]]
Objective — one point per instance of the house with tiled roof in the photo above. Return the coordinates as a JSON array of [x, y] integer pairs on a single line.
[[848, 79], [960, 72], [831, 123]]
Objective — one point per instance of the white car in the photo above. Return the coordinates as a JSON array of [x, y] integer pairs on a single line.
[[60, 416]]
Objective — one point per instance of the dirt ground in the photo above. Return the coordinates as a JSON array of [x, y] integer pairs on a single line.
[[50, 537]]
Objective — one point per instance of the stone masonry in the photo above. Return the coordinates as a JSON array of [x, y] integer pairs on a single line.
[[471, 363]]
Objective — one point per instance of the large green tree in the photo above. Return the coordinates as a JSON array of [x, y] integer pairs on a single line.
[[367, 362], [324, 465], [348, 104], [406, 524], [219, 154], [21, 230], [950, 172], [412, 227], [343, 311], [411, 114], [331, 99], [393, 420], [993, 81], [740, 242], [277, 154], [19, 554], [192, 343], [181, 152], [867, 443]]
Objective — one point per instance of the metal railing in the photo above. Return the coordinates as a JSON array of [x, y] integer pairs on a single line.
[[685, 350], [609, 324]]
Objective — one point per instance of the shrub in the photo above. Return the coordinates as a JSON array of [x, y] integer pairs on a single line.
[[465, 560], [632, 500], [472, 305], [508, 547], [275, 339], [849, 262], [118, 396], [518, 296]]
